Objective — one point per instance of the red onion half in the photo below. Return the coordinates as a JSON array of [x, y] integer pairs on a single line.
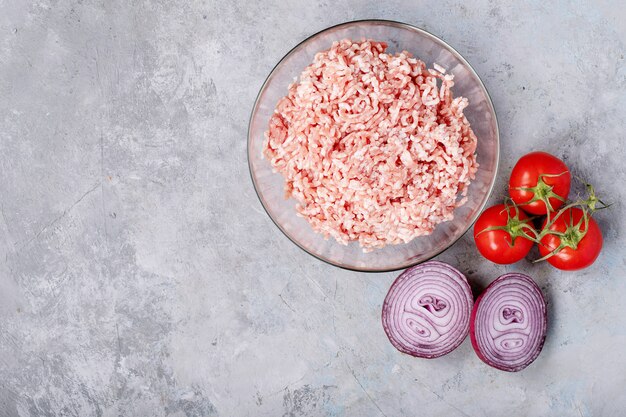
[[509, 322], [427, 310]]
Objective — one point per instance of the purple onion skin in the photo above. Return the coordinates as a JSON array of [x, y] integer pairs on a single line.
[[520, 311], [427, 310]]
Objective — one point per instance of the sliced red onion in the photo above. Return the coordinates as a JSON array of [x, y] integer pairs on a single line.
[[509, 323], [427, 310]]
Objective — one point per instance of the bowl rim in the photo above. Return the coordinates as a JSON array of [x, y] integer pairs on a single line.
[[460, 58]]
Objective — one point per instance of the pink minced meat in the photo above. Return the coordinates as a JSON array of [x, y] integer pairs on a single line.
[[373, 146]]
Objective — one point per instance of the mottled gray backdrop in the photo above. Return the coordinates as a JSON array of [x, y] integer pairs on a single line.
[[140, 276]]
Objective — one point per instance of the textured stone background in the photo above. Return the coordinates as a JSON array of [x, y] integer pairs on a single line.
[[140, 276]]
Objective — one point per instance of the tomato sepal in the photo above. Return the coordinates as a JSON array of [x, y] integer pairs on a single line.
[[572, 235], [543, 192], [515, 226]]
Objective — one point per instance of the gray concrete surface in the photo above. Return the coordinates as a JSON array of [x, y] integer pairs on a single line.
[[139, 275]]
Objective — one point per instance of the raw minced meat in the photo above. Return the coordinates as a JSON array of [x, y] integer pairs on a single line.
[[373, 146]]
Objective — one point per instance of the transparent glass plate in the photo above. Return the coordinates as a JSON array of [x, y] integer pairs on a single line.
[[480, 113]]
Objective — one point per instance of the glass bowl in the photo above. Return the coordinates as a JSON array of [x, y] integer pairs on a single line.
[[480, 113]]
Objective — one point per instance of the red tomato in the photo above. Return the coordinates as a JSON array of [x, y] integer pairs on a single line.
[[508, 242], [578, 250], [539, 177]]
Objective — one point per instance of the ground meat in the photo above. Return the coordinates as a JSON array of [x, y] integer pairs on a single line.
[[373, 146]]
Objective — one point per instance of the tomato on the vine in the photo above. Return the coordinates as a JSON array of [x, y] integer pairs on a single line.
[[539, 178], [572, 241], [503, 234]]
